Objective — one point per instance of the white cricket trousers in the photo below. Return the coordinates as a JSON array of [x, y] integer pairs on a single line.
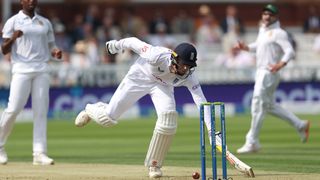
[[22, 84], [131, 90], [263, 102]]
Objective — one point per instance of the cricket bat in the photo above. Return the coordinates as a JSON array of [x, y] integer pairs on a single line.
[[233, 160]]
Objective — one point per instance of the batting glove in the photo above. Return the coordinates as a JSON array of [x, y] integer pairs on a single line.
[[111, 47]]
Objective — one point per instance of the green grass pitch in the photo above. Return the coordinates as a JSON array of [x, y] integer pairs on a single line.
[[128, 142]]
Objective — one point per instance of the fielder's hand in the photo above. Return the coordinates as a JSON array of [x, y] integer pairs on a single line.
[[8, 42], [241, 46], [17, 34], [276, 67], [56, 53], [111, 47]]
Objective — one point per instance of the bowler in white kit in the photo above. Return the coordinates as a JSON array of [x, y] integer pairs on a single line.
[[156, 72], [29, 39], [273, 51]]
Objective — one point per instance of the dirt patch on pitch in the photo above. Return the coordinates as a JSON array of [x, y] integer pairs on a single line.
[[66, 171]]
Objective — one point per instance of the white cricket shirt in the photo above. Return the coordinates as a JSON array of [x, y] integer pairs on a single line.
[[272, 46], [153, 65], [30, 52]]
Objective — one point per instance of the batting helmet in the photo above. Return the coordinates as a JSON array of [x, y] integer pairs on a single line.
[[187, 53]]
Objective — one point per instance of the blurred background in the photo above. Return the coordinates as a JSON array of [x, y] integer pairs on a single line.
[[87, 74]]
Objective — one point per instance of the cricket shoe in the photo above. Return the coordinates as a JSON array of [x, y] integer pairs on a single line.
[[3, 156], [42, 159], [304, 132], [249, 148], [82, 119], [155, 172]]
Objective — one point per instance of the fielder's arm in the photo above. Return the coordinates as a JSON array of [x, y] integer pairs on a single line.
[[8, 42]]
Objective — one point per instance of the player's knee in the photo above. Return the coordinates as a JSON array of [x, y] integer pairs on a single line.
[[260, 104], [167, 123]]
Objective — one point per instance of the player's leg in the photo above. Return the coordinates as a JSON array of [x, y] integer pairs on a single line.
[[258, 111], [19, 93], [126, 95], [164, 131], [40, 105], [252, 143], [105, 114], [301, 126]]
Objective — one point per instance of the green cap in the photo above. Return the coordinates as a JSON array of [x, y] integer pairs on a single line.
[[271, 8]]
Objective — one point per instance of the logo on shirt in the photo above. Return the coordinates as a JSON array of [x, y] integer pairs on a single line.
[[159, 79], [175, 80], [160, 70], [144, 49]]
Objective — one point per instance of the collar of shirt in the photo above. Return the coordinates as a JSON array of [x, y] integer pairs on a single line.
[[24, 16], [272, 26]]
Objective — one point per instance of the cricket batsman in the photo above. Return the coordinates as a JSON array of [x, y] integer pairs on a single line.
[[156, 72]]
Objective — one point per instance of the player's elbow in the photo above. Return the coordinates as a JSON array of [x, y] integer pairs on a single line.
[[5, 50], [292, 54], [289, 52]]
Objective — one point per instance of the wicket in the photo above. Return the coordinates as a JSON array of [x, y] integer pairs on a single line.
[[212, 106]]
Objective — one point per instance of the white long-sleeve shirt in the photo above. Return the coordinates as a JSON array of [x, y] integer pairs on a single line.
[[271, 46], [153, 63]]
